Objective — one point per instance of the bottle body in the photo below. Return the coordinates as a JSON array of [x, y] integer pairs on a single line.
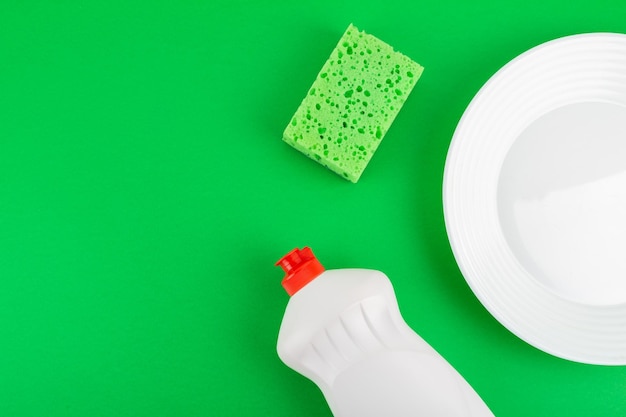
[[344, 331]]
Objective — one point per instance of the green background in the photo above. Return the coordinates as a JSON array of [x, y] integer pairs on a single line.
[[146, 194]]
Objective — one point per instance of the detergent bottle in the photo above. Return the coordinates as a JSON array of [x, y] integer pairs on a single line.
[[343, 330]]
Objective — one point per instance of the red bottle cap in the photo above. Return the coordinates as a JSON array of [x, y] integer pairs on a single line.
[[301, 267]]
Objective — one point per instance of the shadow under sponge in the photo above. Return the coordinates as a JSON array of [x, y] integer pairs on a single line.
[[352, 103]]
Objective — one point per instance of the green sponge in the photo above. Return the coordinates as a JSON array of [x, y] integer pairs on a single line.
[[352, 103]]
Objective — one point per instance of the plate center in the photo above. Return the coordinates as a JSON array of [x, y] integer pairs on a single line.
[[562, 201]]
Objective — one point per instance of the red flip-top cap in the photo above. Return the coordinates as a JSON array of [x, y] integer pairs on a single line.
[[301, 267]]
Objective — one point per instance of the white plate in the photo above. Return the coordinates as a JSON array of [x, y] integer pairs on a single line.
[[535, 197]]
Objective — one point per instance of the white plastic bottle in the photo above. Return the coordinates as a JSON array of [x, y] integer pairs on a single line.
[[343, 330]]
